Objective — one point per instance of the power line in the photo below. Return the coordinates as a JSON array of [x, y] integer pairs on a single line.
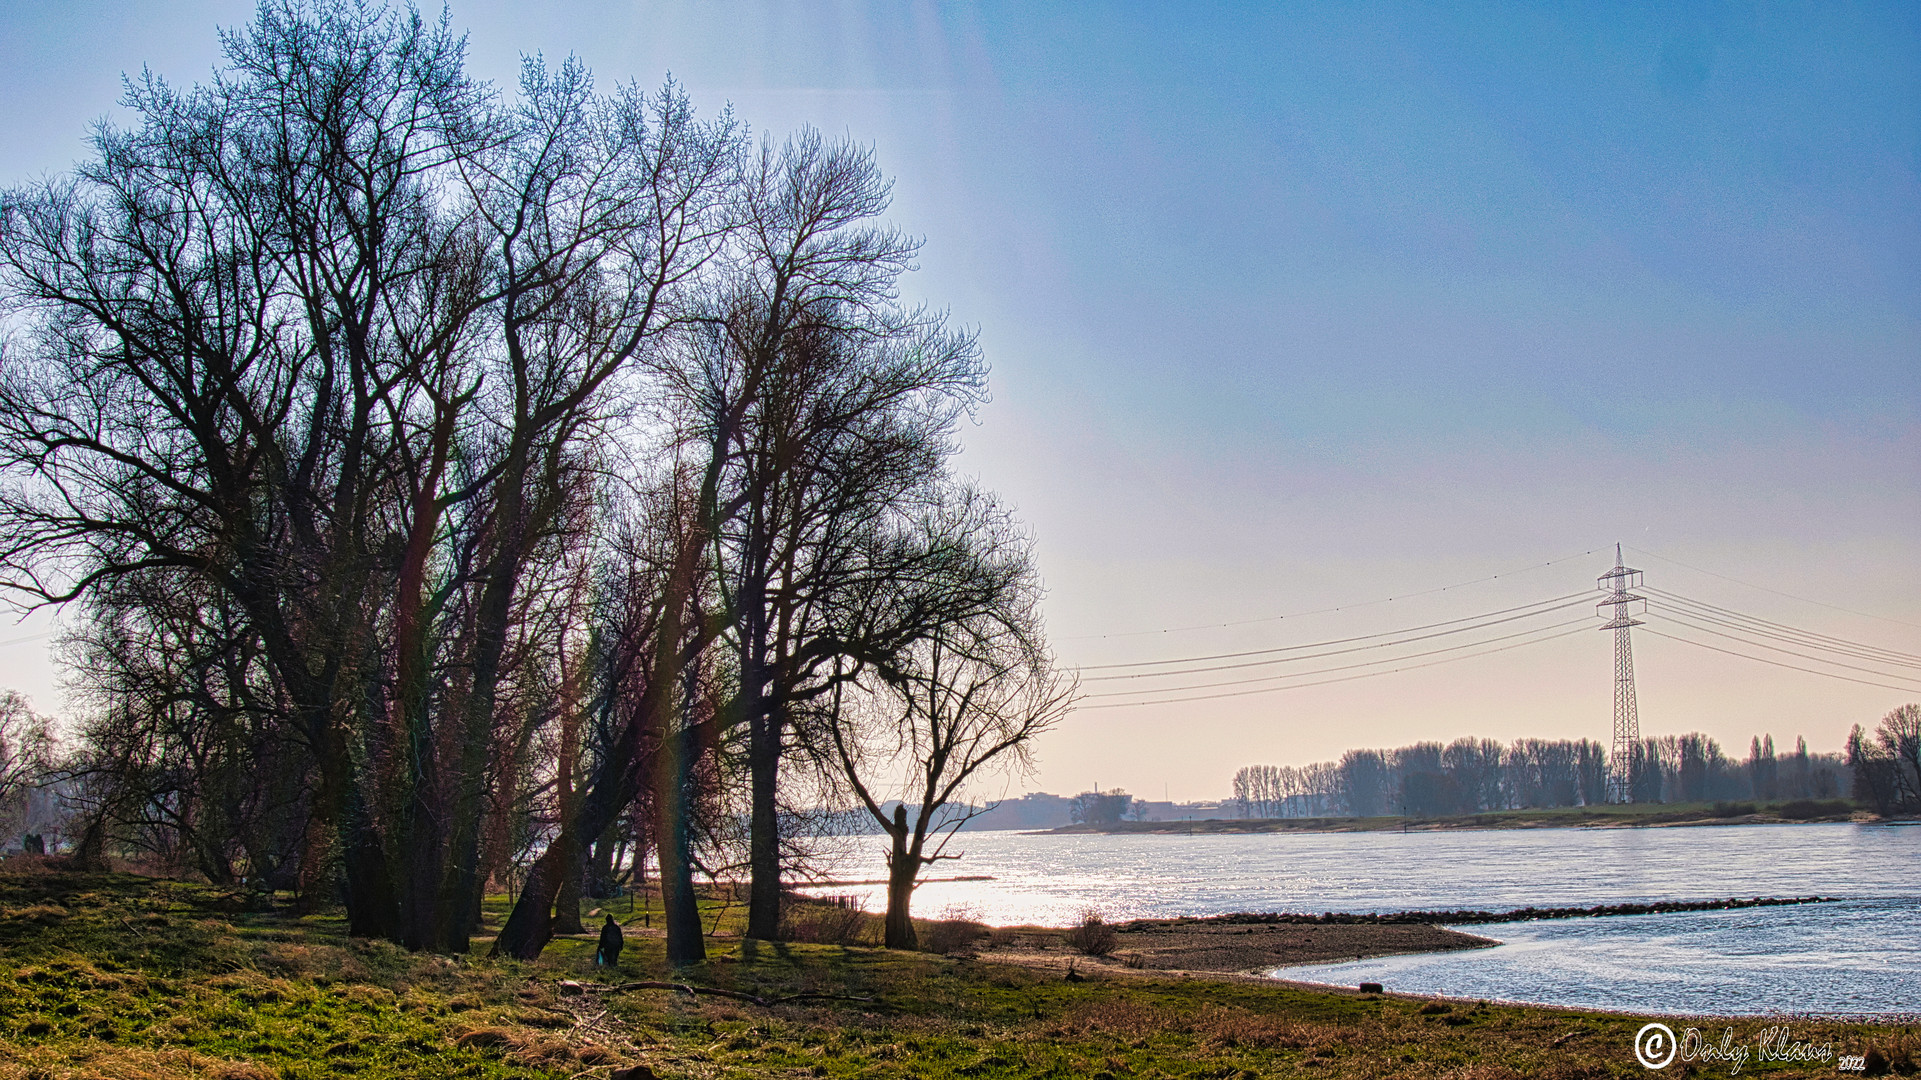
[[1777, 663], [1341, 641], [1345, 678], [1671, 617], [1398, 640], [1342, 667], [1327, 610], [1782, 631], [1679, 611], [1741, 629], [1777, 592], [1788, 637]]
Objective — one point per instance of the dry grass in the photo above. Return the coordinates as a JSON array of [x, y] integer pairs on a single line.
[[1092, 936], [952, 935], [149, 979], [836, 920]]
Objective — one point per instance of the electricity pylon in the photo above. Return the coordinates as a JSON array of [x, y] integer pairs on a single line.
[[1620, 584]]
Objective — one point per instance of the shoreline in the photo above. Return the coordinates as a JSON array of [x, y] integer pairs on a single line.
[[1252, 944], [1196, 949], [1466, 917]]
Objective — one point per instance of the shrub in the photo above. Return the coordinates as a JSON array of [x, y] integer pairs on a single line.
[[836, 920], [956, 928], [949, 935], [1093, 937], [1803, 809]]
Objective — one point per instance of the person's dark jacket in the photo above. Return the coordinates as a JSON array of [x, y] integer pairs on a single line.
[[611, 942]]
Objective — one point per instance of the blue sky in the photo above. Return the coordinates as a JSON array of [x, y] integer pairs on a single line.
[[1296, 305]]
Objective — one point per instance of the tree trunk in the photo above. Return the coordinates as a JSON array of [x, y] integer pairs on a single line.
[[666, 718], [600, 869], [637, 877], [673, 841], [902, 867], [530, 926], [612, 790], [372, 910], [91, 854], [371, 907], [763, 752], [567, 900]]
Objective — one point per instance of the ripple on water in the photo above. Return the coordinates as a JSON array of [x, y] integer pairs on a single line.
[[1858, 957]]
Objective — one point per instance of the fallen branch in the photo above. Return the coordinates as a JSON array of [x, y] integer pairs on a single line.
[[570, 987]]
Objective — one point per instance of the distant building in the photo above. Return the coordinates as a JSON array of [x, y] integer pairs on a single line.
[[1035, 810], [1152, 810]]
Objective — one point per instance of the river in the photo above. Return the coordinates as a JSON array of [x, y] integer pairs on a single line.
[[1856, 957]]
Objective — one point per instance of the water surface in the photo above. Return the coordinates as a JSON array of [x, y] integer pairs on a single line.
[[1859, 956]]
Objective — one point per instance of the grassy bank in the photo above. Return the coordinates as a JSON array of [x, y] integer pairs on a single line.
[[1559, 817], [106, 975]]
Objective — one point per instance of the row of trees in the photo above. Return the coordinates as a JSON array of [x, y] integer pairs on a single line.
[[1887, 764], [27, 753], [1103, 808], [1467, 776], [447, 476]]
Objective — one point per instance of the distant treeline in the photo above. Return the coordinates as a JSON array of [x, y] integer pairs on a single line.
[[1470, 776]]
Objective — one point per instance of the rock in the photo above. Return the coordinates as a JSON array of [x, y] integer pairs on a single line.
[[1372, 988], [634, 1072]]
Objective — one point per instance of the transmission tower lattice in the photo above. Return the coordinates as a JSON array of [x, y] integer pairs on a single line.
[[1620, 583]]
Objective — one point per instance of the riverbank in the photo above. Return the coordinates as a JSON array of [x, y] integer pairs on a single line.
[[1253, 943], [115, 976], [1218, 947], [1636, 815]]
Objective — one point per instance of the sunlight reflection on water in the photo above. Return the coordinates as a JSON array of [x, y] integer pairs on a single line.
[[1861, 956]]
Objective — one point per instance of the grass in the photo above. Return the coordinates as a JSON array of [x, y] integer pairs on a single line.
[[109, 975]]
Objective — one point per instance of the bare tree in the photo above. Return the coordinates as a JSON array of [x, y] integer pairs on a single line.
[[1887, 766], [443, 473], [968, 694], [26, 745], [845, 401], [330, 335]]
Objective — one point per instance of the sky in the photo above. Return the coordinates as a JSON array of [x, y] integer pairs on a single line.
[[1294, 307]]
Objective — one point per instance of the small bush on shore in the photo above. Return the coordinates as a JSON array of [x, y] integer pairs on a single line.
[[1804, 809], [952, 934], [836, 920], [1093, 937]]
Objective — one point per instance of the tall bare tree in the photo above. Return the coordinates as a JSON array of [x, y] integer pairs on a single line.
[[969, 693], [848, 401], [329, 334]]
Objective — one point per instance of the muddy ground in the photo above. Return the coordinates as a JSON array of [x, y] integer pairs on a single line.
[[1224, 948]]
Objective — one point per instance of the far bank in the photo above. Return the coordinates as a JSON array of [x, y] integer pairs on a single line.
[[1632, 815]]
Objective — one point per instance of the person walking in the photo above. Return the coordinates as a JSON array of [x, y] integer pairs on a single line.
[[611, 942]]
